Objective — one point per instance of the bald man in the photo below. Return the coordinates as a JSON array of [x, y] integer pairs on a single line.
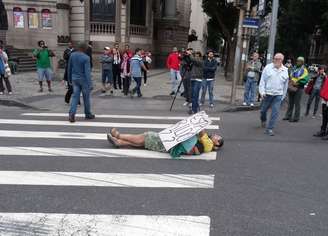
[[273, 90]]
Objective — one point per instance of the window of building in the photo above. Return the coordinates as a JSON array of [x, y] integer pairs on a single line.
[[138, 12], [33, 19], [46, 19], [18, 17], [102, 10]]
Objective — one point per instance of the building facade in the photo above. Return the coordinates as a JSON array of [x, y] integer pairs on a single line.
[[155, 25]]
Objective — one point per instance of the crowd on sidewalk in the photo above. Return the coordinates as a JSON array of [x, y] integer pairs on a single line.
[[196, 73]]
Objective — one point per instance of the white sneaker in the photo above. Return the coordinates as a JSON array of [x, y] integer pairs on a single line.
[[252, 104], [10, 93], [145, 85], [186, 103], [201, 104], [1, 93], [212, 105], [244, 104]]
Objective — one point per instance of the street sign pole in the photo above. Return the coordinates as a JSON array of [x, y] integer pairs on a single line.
[[273, 31]]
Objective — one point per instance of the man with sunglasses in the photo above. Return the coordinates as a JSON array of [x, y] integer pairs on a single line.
[[273, 90]]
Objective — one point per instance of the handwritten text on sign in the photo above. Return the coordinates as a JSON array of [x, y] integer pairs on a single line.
[[184, 130]]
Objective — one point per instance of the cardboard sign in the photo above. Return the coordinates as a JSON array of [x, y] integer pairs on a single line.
[[184, 129]]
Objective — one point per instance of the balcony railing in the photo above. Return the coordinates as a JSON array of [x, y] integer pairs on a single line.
[[139, 30], [102, 28]]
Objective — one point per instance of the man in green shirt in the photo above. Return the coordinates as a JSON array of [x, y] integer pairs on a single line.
[[43, 64]]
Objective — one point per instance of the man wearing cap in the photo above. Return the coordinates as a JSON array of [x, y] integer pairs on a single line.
[[173, 64], [299, 77], [106, 61]]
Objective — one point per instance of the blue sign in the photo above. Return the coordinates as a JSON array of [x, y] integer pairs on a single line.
[[251, 23]]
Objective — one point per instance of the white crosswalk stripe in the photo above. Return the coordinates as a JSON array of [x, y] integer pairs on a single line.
[[95, 152], [101, 225], [125, 225]]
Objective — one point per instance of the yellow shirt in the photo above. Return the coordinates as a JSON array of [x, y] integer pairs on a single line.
[[207, 143]]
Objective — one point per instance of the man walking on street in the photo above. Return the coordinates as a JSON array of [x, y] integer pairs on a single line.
[[273, 90], [210, 66], [299, 78], [253, 69], [173, 64], [136, 66], [79, 75], [43, 64]]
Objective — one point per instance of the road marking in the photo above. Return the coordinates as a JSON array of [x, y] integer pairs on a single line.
[[52, 224], [122, 180], [94, 152], [92, 124], [117, 116]]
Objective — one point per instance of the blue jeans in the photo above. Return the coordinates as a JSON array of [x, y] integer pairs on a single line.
[[207, 84], [44, 73], [195, 89], [107, 77], [273, 102], [78, 87], [250, 90], [175, 79], [138, 85]]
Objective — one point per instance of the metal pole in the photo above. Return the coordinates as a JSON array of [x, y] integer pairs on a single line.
[[237, 57], [244, 54], [273, 30]]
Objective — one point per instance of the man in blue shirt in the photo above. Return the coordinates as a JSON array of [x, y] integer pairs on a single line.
[[79, 75], [136, 64]]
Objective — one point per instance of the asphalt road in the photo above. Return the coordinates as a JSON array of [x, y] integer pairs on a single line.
[[262, 185]]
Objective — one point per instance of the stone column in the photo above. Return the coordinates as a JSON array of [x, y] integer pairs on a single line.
[[170, 9], [63, 23]]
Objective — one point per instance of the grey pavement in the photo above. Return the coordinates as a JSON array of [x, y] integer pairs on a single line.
[[263, 185], [25, 88]]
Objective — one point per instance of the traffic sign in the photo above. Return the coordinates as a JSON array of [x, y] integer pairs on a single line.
[[251, 23]]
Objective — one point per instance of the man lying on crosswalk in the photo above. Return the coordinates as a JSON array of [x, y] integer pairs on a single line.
[[196, 145]]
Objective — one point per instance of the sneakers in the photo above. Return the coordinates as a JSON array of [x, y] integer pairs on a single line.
[[1, 93], [252, 104], [90, 117], [145, 85], [269, 132], [286, 118], [185, 103], [10, 93], [211, 105], [244, 104]]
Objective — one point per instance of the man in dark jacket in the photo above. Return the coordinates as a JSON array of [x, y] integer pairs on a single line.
[[186, 67], [66, 56], [196, 81], [210, 66]]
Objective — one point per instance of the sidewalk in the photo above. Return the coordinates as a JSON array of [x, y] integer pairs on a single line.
[[25, 87]]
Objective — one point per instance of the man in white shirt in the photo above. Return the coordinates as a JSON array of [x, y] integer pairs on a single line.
[[273, 90]]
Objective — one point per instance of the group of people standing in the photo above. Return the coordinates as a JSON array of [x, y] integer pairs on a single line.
[[278, 81], [196, 73]]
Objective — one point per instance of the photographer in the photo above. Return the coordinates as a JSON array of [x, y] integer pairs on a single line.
[[186, 67]]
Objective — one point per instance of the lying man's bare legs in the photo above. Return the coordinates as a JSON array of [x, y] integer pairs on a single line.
[[120, 140]]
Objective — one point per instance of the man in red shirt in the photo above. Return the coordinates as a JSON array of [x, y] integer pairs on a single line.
[[173, 63]]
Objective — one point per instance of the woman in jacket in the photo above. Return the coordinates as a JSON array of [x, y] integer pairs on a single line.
[[125, 73], [3, 76]]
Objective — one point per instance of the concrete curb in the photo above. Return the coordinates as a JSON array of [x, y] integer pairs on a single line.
[[238, 108]]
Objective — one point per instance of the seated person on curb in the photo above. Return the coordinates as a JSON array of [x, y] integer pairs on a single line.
[[196, 145]]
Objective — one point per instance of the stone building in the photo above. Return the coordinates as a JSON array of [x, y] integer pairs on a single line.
[[155, 25]]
